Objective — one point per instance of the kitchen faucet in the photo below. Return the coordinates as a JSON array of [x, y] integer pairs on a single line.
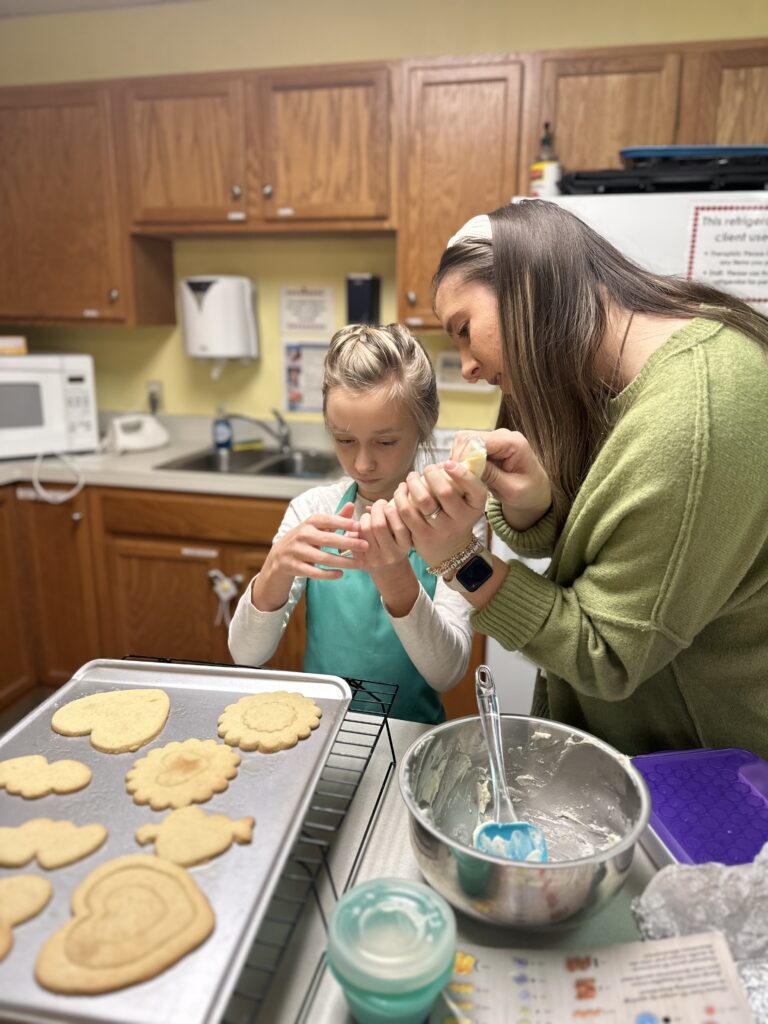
[[281, 433]]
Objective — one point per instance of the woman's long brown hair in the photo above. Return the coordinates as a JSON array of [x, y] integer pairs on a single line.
[[554, 279]]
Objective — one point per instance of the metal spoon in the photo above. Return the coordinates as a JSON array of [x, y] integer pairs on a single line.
[[503, 835]]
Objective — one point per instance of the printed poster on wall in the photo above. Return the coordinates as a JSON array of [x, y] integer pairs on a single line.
[[303, 375], [729, 249], [306, 311]]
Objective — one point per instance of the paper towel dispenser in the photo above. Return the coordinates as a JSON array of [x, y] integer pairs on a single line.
[[218, 318]]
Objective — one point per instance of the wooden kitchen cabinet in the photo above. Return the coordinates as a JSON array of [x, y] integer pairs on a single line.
[[184, 138], [600, 102], [724, 98], [459, 155], [155, 551], [54, 546], [69, 255], [17, 673], [321, 149]]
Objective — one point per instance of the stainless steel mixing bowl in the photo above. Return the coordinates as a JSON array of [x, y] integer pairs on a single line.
[[591, 803]]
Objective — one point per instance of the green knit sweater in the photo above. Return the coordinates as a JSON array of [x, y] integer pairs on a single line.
[[651, 628]]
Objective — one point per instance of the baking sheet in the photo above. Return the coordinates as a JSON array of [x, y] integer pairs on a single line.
[[276, 789]]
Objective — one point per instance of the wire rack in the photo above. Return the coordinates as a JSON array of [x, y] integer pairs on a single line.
[[365, 720]]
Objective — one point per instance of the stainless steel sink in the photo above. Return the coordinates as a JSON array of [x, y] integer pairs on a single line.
[[298, 463]]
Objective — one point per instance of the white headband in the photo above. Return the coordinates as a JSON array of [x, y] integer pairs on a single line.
[[476, 227]]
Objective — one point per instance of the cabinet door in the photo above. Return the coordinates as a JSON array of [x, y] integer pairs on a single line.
[[460, 154], [57, 556], [58, 206], [16, 668], [289, 656], [599, 104], [162, 602], [725, 97], [185, 149], [324, 143]]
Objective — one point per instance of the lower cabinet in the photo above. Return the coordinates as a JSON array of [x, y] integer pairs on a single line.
[[17, 671], [58, 594], [161, 558]]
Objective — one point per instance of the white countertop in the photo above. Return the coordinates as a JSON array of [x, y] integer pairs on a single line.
[[189, 434]]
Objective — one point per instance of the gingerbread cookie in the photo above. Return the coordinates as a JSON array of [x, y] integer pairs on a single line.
[[54, 843], [21, 897], [133, 918], [179, 774], [269, 721], [189, 836], [118, 720], [32, 776]]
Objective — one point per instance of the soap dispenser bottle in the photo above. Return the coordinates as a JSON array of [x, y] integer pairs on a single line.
[[222, 437], [545, 170]]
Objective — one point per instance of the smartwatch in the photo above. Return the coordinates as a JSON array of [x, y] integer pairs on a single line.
[[476, 571]]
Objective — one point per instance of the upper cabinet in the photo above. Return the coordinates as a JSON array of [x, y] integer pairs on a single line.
[[320, 139], [598, 103], [460, 146], [59, 206], [725, 96], [185, 148]]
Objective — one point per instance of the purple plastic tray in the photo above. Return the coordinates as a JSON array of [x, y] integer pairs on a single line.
[[708, 805]]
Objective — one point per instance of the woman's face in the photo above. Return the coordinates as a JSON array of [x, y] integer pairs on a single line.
[[470, 315], [375, 438]]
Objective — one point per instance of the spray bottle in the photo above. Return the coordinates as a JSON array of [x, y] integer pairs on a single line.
[[545, 170]]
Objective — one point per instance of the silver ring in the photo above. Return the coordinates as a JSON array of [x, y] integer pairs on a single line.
[[433, 515]]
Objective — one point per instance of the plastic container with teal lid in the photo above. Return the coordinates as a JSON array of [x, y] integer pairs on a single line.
[[391, 947]]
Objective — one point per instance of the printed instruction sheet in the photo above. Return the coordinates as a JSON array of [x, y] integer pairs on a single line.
[[687, 980]]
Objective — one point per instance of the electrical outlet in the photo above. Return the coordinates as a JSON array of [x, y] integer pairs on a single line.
[[155, 395]]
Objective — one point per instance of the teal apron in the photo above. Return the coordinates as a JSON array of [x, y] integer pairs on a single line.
[[349, 634]]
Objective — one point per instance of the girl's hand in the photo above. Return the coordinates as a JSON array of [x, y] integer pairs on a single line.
[[515, 476], [298, 553], [459, 495], [389, 540]]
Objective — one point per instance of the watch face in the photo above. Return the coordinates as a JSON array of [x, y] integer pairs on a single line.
[[474, 574]]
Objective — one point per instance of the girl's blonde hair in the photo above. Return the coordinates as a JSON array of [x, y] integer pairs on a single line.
[[361, 358]]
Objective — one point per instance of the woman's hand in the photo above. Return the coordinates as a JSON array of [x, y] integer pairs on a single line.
[[299, 553], [514, 475], [459, 496]]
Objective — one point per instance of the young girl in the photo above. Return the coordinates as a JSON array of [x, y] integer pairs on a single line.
[[373, 611]]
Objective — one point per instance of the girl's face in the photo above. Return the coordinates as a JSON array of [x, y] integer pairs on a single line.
[[375, 438], [469, 313]]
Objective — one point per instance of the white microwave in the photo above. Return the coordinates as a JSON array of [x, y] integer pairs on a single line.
[[47, 405]]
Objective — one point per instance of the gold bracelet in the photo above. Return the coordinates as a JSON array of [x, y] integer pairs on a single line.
[[457, 560]]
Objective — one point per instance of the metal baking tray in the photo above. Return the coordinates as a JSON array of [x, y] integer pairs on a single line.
[[276, 789]]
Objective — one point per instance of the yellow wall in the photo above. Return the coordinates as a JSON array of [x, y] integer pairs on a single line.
[[207, 35]]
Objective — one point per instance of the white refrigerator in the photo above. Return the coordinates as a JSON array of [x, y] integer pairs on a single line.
[[717, 237]]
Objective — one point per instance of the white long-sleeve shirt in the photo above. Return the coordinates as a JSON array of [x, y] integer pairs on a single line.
[[435, 633]]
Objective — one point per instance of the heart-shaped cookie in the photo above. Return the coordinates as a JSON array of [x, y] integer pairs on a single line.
[[134, 917], [118, 720], [21, 897]]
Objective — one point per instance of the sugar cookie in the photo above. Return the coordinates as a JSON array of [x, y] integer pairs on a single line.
[[54, 843], [21, 897], [32, 776], [133, 917], [118, 720], [269, 721], [189, 836], [182, 773]]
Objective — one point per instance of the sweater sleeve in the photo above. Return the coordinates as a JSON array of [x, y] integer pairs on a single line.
[[665, 532], [538, 541], [254, 635]]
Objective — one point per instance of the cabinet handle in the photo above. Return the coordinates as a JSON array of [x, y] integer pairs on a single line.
[[411, 297], [113, 294], [236, 192], [266, 191], [77, 517]]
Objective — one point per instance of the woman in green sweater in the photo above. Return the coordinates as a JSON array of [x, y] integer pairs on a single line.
[[632, 448]]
